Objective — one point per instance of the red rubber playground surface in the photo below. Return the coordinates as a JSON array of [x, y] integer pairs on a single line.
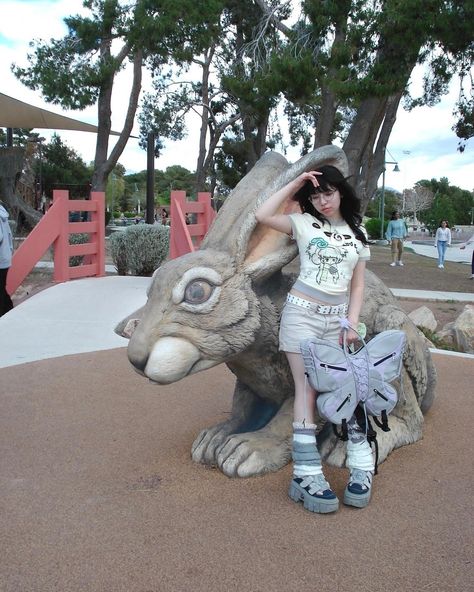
[[98, 493]]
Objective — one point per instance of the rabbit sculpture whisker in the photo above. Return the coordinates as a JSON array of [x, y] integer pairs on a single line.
[[222, 304]]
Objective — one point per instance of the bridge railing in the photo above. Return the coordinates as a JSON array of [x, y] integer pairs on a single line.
[[185, 238], [54, 228]]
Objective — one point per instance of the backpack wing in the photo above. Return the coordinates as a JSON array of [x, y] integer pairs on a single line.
[[329, 374], [386, 354]]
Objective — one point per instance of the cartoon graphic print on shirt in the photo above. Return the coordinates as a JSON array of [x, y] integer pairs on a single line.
[[326, 257]]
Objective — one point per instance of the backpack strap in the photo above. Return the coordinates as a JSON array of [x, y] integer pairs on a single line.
[[364, 422], [343, 434], [383, 422]]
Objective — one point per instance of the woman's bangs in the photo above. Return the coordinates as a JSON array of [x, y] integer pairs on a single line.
[[324, 186]]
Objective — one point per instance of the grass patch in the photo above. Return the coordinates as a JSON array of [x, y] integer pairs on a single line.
[[438, 342]]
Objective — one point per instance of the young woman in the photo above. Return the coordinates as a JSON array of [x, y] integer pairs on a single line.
[[442, 241], [333, 251], [395, 233]]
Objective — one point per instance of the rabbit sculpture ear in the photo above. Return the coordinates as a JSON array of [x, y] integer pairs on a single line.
[[259, 251]]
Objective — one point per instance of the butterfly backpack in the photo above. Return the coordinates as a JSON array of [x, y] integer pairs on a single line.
[[356, 382]]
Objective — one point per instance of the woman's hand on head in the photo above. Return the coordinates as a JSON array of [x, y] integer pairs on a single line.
[[311, 176]]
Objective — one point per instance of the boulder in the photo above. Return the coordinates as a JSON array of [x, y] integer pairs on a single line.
[[423, 317], [447, 333], [463, 330]]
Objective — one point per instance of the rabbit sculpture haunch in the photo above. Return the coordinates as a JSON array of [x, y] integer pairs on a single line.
[[222, 303]]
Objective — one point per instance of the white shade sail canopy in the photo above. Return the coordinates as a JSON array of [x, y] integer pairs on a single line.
[[17, 114]]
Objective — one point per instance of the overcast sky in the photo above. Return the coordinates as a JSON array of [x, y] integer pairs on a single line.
[[422, 141]]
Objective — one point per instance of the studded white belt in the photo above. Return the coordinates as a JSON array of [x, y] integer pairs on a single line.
[[339, 309]]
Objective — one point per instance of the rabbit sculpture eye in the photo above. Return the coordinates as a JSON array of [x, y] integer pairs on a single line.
[[222, 304], [198, 290]]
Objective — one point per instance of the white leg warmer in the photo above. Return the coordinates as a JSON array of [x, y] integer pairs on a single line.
[[359, 456]]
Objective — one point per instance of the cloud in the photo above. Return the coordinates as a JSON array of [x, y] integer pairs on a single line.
[[25, 20]]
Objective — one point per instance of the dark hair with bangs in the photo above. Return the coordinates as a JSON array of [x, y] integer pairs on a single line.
[[329, 179]]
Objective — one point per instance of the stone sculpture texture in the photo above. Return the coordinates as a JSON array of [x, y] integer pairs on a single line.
[[221, 304]]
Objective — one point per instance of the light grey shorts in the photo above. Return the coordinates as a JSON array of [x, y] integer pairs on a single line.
[[298, 323]]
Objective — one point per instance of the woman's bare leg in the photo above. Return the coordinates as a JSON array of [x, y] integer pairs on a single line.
[[305, 395]]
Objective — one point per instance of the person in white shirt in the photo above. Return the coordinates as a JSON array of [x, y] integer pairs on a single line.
[[333, 250], [442, 241]]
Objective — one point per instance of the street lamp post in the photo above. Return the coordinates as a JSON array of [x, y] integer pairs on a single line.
[[396, 169]]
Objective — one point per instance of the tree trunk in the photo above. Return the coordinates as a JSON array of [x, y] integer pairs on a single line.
[[103, 166], [325, 123], [11, 165], [201, 172], [329, 103], [99, 178], [373, 160]]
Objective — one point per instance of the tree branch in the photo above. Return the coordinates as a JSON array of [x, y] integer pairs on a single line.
[[270, 14]]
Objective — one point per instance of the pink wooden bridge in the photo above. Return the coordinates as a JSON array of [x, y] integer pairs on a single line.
[[55, 228]]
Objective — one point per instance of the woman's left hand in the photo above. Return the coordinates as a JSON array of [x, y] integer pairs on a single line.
[[351, 337]]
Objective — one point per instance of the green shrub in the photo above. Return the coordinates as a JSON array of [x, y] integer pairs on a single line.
[[79, 238], [139, 249], [372, 225], [118, 251]]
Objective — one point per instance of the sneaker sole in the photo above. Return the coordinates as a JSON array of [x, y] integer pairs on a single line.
[[357, 500], [310, 503]]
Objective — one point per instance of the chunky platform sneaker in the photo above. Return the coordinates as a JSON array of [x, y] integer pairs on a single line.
[[315, 493], [358, 490]]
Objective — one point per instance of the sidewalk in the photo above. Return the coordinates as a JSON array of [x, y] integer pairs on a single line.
[[70, 318], [453, 253]]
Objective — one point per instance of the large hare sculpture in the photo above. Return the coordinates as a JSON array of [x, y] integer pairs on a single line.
[[222, 303]]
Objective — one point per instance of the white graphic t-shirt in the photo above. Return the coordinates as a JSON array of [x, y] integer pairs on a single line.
[[328, 254]]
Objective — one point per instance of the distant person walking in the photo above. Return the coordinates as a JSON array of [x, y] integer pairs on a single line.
[[395, 233], [6, 252], [442, 241], [470, 241]]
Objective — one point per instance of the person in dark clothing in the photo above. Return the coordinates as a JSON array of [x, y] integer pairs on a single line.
[[6, 253]]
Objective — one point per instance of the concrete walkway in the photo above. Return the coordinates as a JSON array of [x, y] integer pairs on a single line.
[[453, 253], [70, 318]]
